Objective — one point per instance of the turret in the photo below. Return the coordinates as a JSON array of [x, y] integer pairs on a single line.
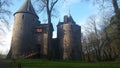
[[23, 37], [68, 19], [69, 36]]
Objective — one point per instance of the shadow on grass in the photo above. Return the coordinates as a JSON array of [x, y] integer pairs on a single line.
[[4, 64]]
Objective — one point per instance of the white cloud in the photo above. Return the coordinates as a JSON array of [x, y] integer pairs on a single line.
[[5, 40], [54, 34]]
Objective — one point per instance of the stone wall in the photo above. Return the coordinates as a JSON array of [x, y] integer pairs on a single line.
[[67, 41], [69, 37], [23, 37], [42, 38]]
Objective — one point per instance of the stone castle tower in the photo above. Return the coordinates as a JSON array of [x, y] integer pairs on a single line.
[[29, 36], [23, 38], [31, 39], [69, 36]]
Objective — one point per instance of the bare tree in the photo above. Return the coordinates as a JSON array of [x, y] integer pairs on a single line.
[[48, 5], [104, 4], [4, 12], [4, 15], [105, 39], [116, 7], [96, 39], [96, 43], [92, 38]]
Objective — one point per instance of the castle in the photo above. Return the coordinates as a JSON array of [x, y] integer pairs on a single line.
[[31, 39]]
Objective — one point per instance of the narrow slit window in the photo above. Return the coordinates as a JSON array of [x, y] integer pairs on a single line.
[[22, 16]]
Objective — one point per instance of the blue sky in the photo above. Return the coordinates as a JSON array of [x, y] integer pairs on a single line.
[[80, 11]]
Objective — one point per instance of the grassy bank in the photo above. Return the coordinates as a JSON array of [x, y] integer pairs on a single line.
[[36, 63]]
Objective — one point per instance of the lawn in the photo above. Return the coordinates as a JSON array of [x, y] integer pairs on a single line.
[[37, 63]]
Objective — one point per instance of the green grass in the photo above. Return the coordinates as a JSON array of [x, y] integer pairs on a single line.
[[36, 63]]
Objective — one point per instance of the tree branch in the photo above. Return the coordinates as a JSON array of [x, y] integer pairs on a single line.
[[116, 8], [53, 4]]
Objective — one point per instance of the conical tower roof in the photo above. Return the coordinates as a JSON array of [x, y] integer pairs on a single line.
[[70, 19], [27, 7]]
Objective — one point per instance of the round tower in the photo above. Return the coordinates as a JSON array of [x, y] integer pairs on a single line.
[[69, 37], [23, 37], [67, 41], [65, 37]]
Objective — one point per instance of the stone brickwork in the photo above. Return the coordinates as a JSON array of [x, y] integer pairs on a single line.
[[31, 39], [23, 31], [42, 39], [69, 36]]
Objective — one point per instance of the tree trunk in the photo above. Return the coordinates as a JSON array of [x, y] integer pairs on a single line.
[[115, 6]]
